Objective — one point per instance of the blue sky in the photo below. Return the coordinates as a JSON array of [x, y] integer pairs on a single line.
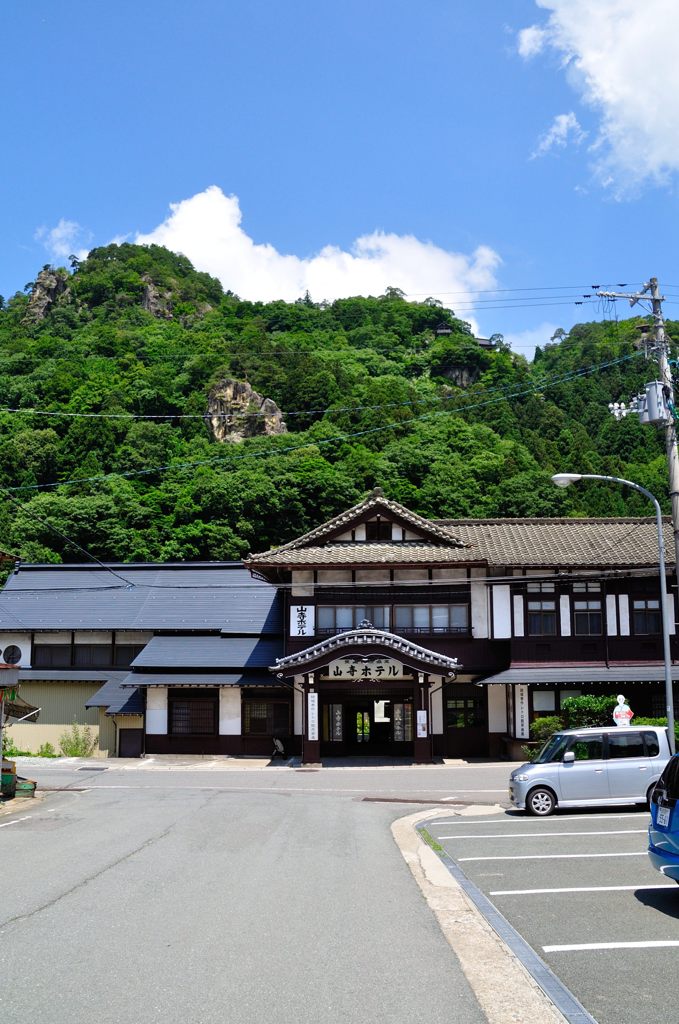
[[457, 149]]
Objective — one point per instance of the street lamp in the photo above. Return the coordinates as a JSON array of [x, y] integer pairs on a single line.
[[565, 480]]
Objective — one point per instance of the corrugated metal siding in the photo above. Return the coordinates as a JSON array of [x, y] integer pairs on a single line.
[[62, 703], [107, 735]]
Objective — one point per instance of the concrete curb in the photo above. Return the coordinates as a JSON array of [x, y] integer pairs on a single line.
[[504, 989]]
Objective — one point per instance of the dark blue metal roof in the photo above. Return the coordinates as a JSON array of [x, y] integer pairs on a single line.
[[180, 679], [200, 595], [116, 700], [209, 652]]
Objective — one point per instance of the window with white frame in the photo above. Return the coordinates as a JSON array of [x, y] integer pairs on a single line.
[[335, 618], [541, 609], [646, 616], [432, 618], [587, 608]]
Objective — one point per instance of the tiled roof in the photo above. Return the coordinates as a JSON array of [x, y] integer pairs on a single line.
[[559, 543], [375, 502], [369, 637], [358, 553]]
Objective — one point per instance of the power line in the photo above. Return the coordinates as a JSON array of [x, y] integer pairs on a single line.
[[329, 410], [266, 453], [547, 575], [50, 526]]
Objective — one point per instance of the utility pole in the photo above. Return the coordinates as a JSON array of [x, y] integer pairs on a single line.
[[658, 348]]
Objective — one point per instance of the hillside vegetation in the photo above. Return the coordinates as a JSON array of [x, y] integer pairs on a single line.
[[376, 391]]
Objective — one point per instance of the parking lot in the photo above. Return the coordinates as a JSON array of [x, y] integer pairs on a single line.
[[579, 889]]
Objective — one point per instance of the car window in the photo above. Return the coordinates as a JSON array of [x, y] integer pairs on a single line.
[[553, 749], [669, 780], [652, 744], [587, 748], [625, 744]]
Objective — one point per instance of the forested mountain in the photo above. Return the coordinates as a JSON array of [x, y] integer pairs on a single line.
[[375, 391]]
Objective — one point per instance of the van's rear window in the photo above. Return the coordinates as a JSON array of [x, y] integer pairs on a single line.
[[669, 780]]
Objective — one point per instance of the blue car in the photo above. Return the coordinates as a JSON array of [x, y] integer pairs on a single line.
[[663, 832]]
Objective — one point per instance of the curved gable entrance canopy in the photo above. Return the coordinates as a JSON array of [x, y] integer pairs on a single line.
[[366, 643]]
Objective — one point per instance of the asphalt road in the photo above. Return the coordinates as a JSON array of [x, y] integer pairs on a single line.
[[245, 896], [579, 888]]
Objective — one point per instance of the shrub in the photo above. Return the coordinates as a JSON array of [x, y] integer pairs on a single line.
[[9, 747], [580, 712], [46, 750], [78, 741], [542, 728], [540, 731]]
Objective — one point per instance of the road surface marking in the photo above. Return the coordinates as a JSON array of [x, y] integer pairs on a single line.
[[16, 821], [555, 856], [539, 835], [648, 944], [584, 888], [520, 819]]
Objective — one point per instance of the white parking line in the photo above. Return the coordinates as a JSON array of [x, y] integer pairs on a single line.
[[584, 888], [556, 856], [539, 835], [649, 944], [16, 821], [521, 819]]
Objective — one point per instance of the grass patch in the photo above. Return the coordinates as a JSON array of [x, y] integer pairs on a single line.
[[430, 841]]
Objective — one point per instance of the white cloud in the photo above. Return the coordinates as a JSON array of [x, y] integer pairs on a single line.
[[620, 56], [531, 41], [207, 228], [524, 342], [564, 128], [66, 239]]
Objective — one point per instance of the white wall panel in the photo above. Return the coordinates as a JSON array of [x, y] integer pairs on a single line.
[[479, 603], [670, 614], [611, 615], [156, 711], [565, 610], [497, 709], [623, 606], [519, 628], [502, 616], [229, 711]]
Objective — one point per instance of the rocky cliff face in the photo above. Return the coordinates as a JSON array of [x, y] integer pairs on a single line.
[[158, 301], [50, 287], [236, 412]]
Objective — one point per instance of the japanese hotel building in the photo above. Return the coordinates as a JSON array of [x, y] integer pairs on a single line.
[[379, 632]]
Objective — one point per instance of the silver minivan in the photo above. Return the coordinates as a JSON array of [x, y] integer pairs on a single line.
[[591, 767]]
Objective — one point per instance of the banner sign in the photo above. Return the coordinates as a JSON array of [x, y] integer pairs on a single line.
[[302, 619], [364, 669], [312, 715]]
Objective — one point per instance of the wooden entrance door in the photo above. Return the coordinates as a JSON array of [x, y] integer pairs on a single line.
[[465, 712]]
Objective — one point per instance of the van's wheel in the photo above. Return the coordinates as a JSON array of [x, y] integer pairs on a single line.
[[540, 802]]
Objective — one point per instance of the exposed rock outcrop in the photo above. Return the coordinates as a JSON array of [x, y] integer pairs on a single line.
[[236, 412], [158, 301], [50, 286]]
